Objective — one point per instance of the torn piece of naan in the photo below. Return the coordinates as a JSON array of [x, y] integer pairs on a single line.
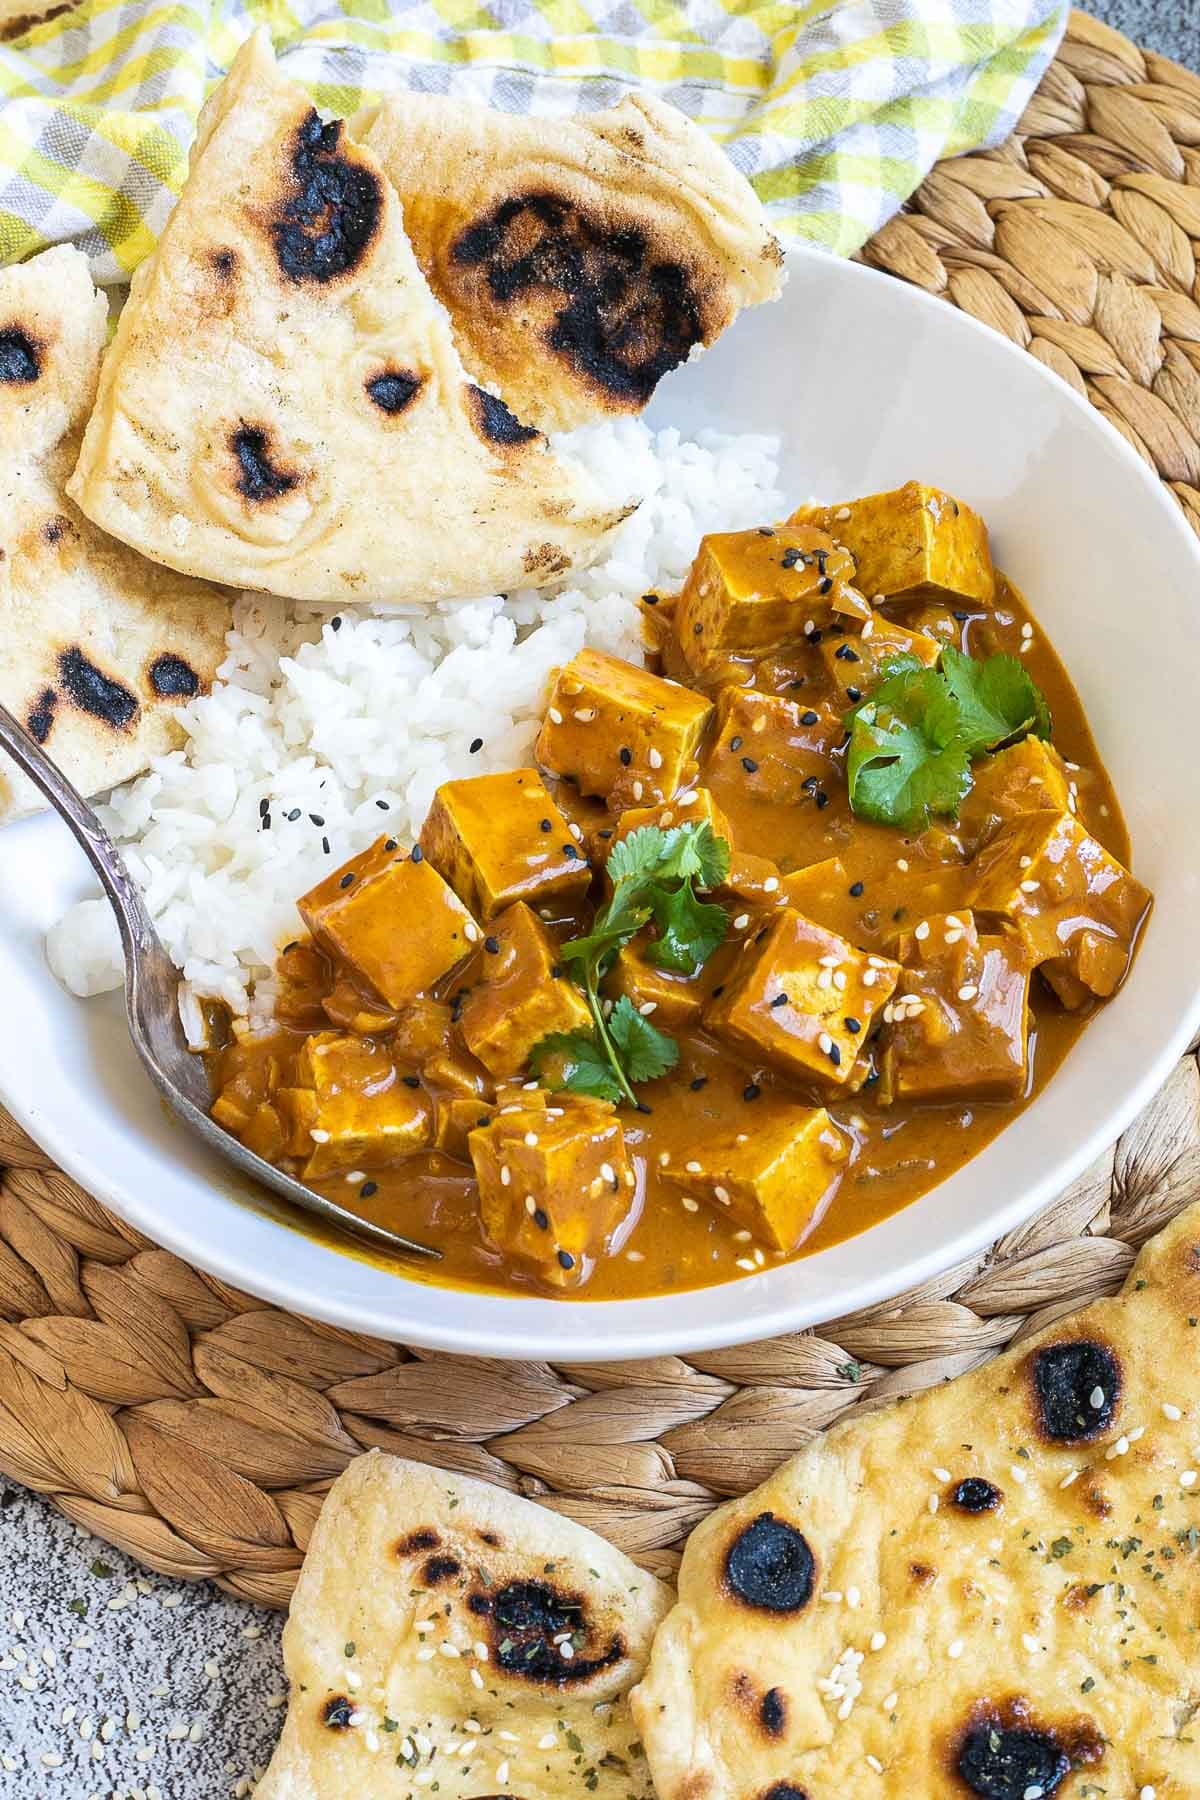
[[989, 1591], [283, 407], [579, 258], [447, 1637], [98, 647]]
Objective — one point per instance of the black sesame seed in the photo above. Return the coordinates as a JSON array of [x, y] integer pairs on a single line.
[[541, 1220], [293, 815], [566, 1260], [569, 850], [264, 807], [411, 1081], [698, 1082], [824, 586], [605, 834], [845, 654], [814, 637], [810, 782], [750, 766], [266, 824], [547, 825], [835, 1055], [760, 934], [797, 683], [856, 888], [853, 693], [626, 756], [822, 799], [697, 629], [735, 743], [335, 624], [492, 945], [751, 1091], [853, 1026], [484, 1119], [475, 746], [317, 820], [556, 972], [780, 1000], [325, 845], [418, 855], [367, 1189], [347, 879], [717, 991], [390, 844], [383, 806], [791, 557], [809, 717], [649, 599], [962, 617], [766, 531]]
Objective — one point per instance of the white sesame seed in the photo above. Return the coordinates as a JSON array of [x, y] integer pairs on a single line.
[[318, 1136], [902, 865], [933, 1503], [1035, 1791], [505, 1175], [1147, 1793], [940, 1474], [1188, 1478], [471, 932], [868, 979], [637, 790], [770, 884], [1170, 1411], [1096, 1398], [741, 922], [843, 512], [426, 1653], [1069, 1479], [873, 1762], [1120, 1448], [530, 1205], [693, 1168], [955, 1650], [853, 1597], [449, 1649], [654, 757], [1030, 887], [502, 1774], [531, 1140], [968, 991], [878, 1640], [689, 1205], [585, 714], [554, 716], [1017, 1474], [1030, 1643], [825, 1043], [922, 931], [889, 1702], [647, 1007]]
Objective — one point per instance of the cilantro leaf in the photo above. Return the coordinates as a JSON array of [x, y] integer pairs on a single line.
[[689, 930], [998, 699], [576, 1061], [905, 760], [637, 857], [647, 1052]]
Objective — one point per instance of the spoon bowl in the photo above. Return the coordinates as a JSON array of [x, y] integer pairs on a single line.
[[152, 1002]]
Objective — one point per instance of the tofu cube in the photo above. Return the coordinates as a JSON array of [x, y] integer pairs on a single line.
[[855, 664], [456, 1072], [750, 592], [423, 1029], [366, 1115], [770, 749], [517, 998], [347, 1006], [393, 919], [1075, 908], [822, 892], [957, 1025], [776, 1180], [554, 1185], [1027, 777], [915, 543], [589, 821], [455, 1117], [621, 732], [500, 838], [673, 1001], [802, 999]]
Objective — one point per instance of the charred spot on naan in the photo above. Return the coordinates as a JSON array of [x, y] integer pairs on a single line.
[[56, 528], [394, 390], [773, 1712], [624, 314], [785, 1790], [1003, 1751], [326, 224], [494, 423], [770, 1567], [532, 1623], [260, 478], [171, 678], [1076, 1387], [337, 1713], [94, 692], [419, 1541], [545, 561], [39, 722], [438, 1569], [224, 264], [20, 356], [975, 1495]]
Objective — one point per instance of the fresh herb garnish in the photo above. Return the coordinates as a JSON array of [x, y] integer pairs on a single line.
[[655, 874], [913, 738]]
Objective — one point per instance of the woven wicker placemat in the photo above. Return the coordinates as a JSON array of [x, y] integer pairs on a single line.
[[199, 1429]]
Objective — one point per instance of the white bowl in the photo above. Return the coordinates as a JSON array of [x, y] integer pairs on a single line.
[[869, 383]]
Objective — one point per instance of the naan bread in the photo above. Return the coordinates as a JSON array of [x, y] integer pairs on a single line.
[[580, 258], [445, 1636], [992, 1590], [97, 646], [283, 407]]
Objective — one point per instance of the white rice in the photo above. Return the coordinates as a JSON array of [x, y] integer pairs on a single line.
[[358, 721]]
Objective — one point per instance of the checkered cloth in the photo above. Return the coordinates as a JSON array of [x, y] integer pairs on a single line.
[[834, 111]]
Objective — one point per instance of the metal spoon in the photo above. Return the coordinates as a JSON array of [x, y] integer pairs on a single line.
[[152, 1001]]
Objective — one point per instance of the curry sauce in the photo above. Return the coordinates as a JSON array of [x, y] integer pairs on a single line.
[[881, 1003]]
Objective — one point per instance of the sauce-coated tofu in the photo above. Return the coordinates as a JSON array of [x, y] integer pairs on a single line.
[[674, 1001], [393, 919], [1075, 908], [695, 806], [770, 749], [365, 1114], [775, 1179], [1027, 777], [822, 892], [802, 999], [455, 1117], [957, 1026], [915, 543], [855, 664], [554, 1185], [517, 998], [500, 838], [749, 592], [621, 732]]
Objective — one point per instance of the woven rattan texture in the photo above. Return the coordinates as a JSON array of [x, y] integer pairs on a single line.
[[199, 1429]]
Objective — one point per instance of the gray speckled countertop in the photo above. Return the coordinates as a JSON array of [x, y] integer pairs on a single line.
[[122, 1685]]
